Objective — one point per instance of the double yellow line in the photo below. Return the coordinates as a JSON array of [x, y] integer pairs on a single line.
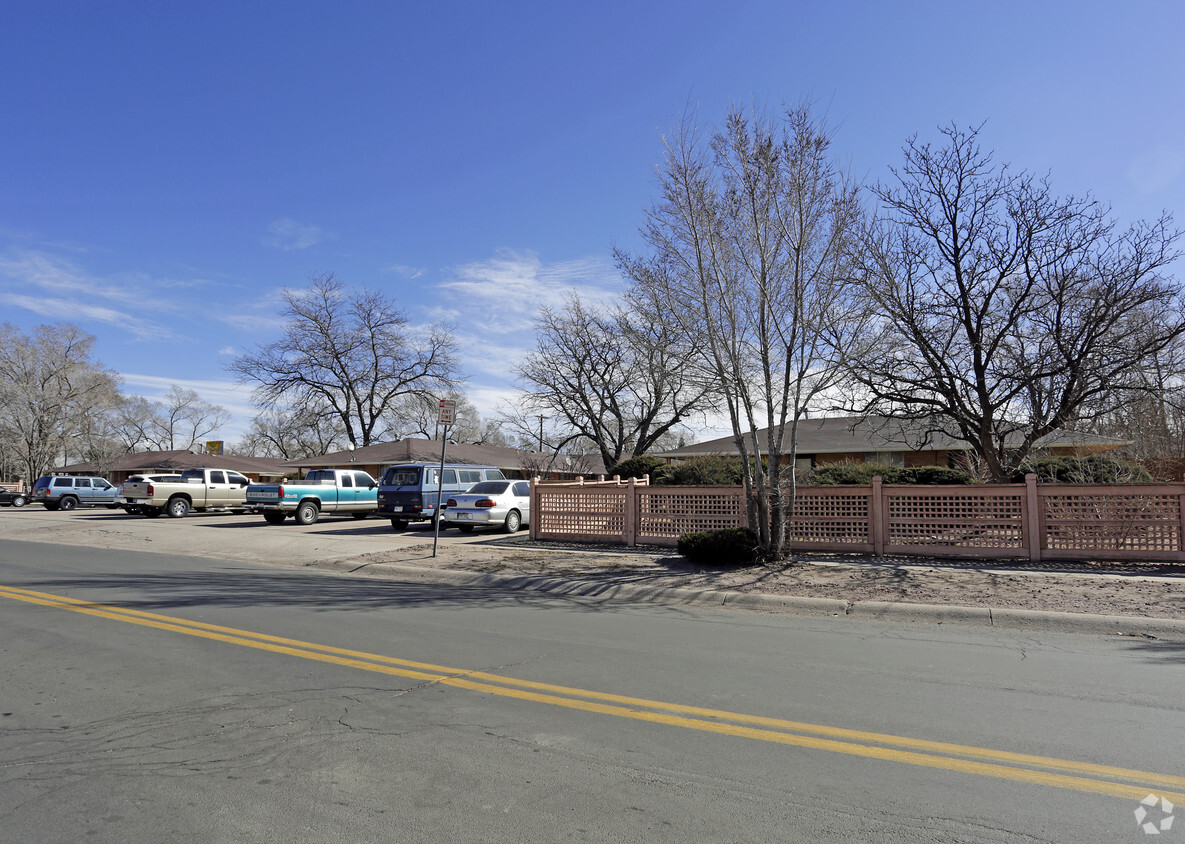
[[1000, 764]]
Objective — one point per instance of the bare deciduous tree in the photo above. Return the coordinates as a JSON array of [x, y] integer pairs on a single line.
[[416, 416], [179, 420], [620, 381], [291, 433], [751, 247], [348, 354], [50, 385], [1009, 312]]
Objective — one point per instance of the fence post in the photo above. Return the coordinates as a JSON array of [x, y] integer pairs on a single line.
[[533, 524], [631, 514], [876, 517], [1030, 523], [1181, 530]]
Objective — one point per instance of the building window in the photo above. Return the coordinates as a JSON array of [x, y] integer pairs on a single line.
[[886, 458]]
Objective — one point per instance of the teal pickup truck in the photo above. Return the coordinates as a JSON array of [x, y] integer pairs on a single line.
[[322, 491]]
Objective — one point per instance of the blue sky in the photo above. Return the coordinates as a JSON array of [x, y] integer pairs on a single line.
[[165, 169]]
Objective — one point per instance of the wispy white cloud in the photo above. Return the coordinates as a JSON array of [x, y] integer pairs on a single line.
[[233, 396], [228, 351], [405, 271], [287, 234], [507, 291], [53, 287]]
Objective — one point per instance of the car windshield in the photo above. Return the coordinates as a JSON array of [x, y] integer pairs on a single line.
[[488, 488], [42, 483], [401, 476]]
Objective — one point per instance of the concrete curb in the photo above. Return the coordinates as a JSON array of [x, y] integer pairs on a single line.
[[870, 610]]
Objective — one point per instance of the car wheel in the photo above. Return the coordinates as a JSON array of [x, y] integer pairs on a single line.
[[274, 518], [513, 522], [68, 502], [398, 524], [360, 516], [178, 508], [19, 501], [465, 528], [307, 513]]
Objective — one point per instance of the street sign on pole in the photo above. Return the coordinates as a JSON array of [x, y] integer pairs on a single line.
[[446, 417]]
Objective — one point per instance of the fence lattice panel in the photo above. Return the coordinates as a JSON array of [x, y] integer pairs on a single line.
[[958, 520], [830, 518], [1131, 521], [582, 513], [667, 513]]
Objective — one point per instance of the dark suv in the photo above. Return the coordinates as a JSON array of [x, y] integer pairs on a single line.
[[65, 492]]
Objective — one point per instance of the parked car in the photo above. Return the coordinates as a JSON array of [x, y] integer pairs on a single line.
[[134, 509], [13, 499], [506, 504], [408, 491], [66, 492], [197, 489], [321, 491]]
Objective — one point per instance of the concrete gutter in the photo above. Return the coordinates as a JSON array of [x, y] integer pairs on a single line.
[[832, 607]]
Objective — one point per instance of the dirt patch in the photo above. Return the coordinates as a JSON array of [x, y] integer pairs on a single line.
[[1144, 590]]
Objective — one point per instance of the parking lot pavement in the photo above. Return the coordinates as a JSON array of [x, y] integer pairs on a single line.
[[226, 535]]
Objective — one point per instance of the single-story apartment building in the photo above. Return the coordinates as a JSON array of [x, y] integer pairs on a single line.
[[891, 442], [118, 469], [514, 462]]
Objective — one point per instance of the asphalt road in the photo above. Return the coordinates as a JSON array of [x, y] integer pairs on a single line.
[[164, 697]]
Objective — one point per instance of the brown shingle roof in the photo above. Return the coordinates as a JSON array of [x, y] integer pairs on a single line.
[[846, 434]]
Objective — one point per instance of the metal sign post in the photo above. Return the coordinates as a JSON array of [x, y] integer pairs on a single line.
[[446, 418]]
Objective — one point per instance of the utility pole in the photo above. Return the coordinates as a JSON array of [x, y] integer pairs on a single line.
[[541, 418]]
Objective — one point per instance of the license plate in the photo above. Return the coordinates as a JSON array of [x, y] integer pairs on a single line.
[[461, 516]]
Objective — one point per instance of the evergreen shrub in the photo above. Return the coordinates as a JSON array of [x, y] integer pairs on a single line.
[[734, 546], [1093, 469]]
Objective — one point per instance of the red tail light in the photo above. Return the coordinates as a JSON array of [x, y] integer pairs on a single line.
[[485, 502], [150, 490], [280, 492], [452, 502]]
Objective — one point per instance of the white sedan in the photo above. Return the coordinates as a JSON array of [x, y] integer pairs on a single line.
[[490, 503]]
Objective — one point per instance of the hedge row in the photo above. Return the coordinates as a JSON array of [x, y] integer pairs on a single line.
[[724, 470]]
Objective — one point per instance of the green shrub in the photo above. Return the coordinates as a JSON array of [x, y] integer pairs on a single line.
[[937, 476], [1094, 469], [852, 473], [636, 467], [709, 470], [863, 473], [735, 546]]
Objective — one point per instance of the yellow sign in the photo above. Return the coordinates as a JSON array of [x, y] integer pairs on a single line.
[[214, 447]]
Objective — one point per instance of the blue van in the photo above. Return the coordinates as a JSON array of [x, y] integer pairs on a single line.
[[408, 491]]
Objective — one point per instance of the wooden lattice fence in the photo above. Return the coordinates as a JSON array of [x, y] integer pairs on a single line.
[[1030, 520]]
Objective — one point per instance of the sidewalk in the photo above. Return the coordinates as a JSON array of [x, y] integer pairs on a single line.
[[1141, 599]]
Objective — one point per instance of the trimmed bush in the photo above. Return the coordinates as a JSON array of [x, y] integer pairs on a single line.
[[636, 467], [735, 546], [863, 473], [937, 476], [1094, 469], [851, 473], [710, 470]]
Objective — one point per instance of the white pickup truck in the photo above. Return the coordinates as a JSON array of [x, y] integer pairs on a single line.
[[198, 489]]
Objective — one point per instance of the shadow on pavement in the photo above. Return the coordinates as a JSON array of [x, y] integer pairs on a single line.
[[319, 592]]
